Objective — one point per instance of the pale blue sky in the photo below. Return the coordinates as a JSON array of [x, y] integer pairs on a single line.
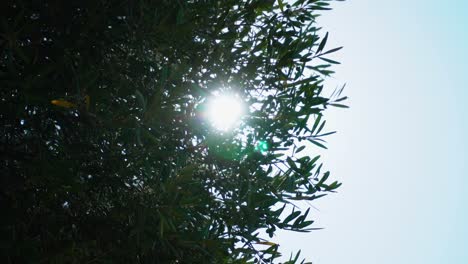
[[401, 149]]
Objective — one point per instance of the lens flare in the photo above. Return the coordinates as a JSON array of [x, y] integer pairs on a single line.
[[262, 147]]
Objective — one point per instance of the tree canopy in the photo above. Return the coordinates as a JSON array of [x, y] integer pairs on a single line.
[[106, 152]]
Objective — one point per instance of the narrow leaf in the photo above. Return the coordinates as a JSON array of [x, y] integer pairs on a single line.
[[301, 148], [322, 43], [331, 51], [329, 61]]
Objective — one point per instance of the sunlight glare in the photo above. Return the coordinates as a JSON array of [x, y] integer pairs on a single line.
[[224, 111]]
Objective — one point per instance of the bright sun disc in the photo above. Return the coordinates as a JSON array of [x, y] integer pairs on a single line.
[[224, 111]]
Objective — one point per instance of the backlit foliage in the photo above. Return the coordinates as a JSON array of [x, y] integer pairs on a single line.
[[106, 155]]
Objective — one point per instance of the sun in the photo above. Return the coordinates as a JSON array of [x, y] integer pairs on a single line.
[[224, 111]]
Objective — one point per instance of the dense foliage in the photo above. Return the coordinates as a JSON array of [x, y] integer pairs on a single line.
[[106, 154]]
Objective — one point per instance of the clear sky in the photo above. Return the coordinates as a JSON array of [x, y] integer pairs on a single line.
[[401, 150]]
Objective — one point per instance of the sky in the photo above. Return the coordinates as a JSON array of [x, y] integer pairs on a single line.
[[401, 150]]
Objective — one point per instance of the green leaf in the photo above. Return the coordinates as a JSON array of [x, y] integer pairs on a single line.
[[333, 186], [339, 105], [315, 159], [290, 217], [317, 143], [341, 99], [323, 179], [301, 148], [316, 123], [331, 51], [322, 43], [281, 5], [317, 101], [291, 163], [326, 134], [305, 224], [321, 127], [329, 61]]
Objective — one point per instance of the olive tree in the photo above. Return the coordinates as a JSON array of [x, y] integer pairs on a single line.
[[107, 154]]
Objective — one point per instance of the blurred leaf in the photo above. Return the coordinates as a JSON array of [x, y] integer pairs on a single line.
[[301, 148], [330, 51], [315, 142], [63, 103], [290, 217], [329, 61], [339, 105], [322, 44], [141, 100]]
